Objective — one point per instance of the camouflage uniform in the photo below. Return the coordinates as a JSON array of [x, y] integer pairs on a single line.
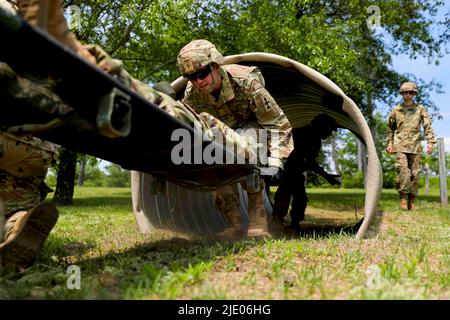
[[177, 109], [403, 136], [243, 103], [24, 161]]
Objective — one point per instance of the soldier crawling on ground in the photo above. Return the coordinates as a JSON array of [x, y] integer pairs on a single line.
[[30, 221], [403, 139], [307, 145], [25, 159]]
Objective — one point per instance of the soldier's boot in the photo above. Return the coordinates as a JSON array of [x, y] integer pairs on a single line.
[[297, 214], [257, 224], [403, 201], [411, 202], [278, 225], [25, 234], [279, 228], [234, 228]]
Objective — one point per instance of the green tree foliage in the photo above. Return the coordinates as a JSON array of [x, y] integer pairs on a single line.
[[348, 152], [433, 160], [331, 36], [93, 176], [118, 177]]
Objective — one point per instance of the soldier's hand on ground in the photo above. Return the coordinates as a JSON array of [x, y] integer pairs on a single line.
[[389, 149]]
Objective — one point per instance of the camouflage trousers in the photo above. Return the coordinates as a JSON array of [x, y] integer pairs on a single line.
[[24, 161], [408, 167]]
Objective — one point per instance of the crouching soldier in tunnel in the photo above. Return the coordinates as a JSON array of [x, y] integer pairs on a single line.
[[307, 145], [233, 96]]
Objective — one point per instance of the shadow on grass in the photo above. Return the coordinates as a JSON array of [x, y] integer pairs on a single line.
[[174, 253], [325, 230], [179, 254], [149, 268]]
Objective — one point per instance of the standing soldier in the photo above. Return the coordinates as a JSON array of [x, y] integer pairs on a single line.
[[235, 96], [403, 138]]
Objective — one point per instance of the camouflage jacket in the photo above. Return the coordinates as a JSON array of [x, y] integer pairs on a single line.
[[242, 100], [404, 124]]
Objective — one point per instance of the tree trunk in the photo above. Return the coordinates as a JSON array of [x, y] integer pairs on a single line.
[[66, 177], [361, 158], [334, 155], [81, 172]]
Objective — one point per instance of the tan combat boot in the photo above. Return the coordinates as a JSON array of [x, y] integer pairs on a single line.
[[25, 234], [234, 229], [257, 224], [403, 201], [411, 202]]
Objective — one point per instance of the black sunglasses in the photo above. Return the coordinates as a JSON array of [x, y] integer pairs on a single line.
[[409, 92], [201, 74]]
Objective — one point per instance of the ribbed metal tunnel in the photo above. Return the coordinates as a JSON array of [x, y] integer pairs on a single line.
[[179, 209], [302, 93]]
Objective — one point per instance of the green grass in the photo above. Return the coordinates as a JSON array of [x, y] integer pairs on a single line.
[[405, 257]]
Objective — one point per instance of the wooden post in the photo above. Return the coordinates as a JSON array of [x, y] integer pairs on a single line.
[[442, 172], [427, 178]]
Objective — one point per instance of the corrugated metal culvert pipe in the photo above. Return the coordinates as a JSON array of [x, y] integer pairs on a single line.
[[302, 93]]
